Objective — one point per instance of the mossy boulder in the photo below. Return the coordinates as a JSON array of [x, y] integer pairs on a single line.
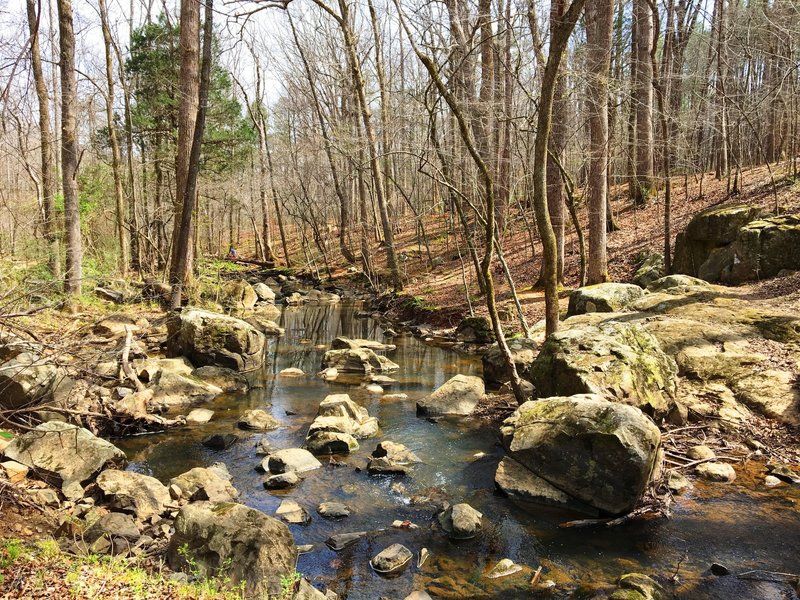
[[649, 268], [238, 295], [475, 330], [208, 338], [598, 452], [619, 361], [233, 541], [603, 297], [762, 249]]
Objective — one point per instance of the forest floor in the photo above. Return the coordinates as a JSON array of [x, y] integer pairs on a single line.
[[439, 293]]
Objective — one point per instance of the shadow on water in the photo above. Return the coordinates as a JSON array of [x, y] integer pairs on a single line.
[[738, 528]]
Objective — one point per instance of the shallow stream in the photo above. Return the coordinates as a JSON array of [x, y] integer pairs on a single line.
[[744, 525]]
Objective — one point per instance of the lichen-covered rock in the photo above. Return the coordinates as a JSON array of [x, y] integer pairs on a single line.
[[139, 494], [258, 420], [677, 284], [264, 292], [619, 361], [457, 396], [64, 455], [238, 295], [598, 452], [204, 484], [234, 541], [227, 380], [339, 423], [208, 338], [649, 269], [523, 351], [357, 360], [603, 297], [173, 391], [475, 330], [762, 249], [27, 378]]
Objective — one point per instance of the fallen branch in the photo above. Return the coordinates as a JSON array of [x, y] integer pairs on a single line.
[[126, 367]]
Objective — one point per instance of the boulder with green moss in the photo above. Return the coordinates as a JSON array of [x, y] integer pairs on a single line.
[[619, 361], [603, 297], [598, 452], [649, 268], [238, 295], [208, 338], [475, 330]]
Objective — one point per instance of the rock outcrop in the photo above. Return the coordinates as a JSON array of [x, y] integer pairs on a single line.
[[603, 297], [208, 338], [235, 541], [598, 452], [64, 455]]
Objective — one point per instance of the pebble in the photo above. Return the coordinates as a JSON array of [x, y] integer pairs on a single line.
[[771, 481]]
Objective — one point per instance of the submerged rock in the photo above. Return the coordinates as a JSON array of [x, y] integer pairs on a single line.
[[292, 372], [603, 297], [333, 510], [200, 415], [600, 453], [635, 586], [208, 338], [458, 396], [220, 441], [233, 541], [504, 568], [64, 455]]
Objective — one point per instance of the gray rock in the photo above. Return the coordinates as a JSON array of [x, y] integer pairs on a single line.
[[133, 492], [199, 415], [358, 360], [345, 343], [220, 441], [715, 471], [238, 295], [677, 283], [64, 455], [392, 559], [213, 339], [248, 545], [603, 297], [598, 452], [458, 396], [227, 380], [257, 420], [282, 481], [677, 482], [173, 391], [340, 541], [333, 510], [700, 453], [291, 512], [26, 378], [204, 484], [322, 442], [264, 292], [264, 447], [620, 361], [291, 459], [266, 326], [113, 525], [384, 466], [461, 521], [523, 351], [475, 330], [395, 452]]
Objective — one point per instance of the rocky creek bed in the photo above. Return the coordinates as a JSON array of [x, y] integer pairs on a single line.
[[655, 351]]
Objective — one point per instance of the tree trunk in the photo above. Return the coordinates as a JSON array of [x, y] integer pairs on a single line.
[[643, 100], [598, 57], [557, 144], [116, 159], [69, 149], [50, 224]]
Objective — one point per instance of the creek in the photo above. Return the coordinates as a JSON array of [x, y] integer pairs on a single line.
[[743, 525]]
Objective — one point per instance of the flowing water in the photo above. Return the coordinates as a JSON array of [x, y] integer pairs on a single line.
[[730, 524]]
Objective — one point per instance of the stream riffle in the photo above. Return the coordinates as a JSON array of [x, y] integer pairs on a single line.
[[743, 525]]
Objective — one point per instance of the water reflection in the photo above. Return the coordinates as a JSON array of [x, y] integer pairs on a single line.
[[734, 528]]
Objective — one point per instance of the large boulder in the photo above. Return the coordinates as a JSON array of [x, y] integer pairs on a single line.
[[65, 455], [649, 269], [238, 295], [523, 351], [203, 483], [139, 494], [603, 297], [290, 460], [457, 396], [208, 338], [620, 361], [26, 378], [227, 380], [475, 330], [707, 232], [762, 249], [173, 391], [236, 542], [598, 452], [357, 360]]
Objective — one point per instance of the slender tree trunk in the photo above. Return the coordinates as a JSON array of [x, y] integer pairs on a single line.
[[643, 99], [558, 140], [720, 105], [598, 57], [69, 150], [46, 143], [116, 158]]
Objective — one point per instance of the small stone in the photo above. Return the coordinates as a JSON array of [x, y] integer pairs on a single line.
[[771, 481], [384, 466], [504, 568], [714, 471], [330, 374], [122, 392], [282, 481], [292, 372], [701, 453], [392, 559], [291, 512], [398, 524], [418, 595], [175, 492], [461, 521], [340, 541], [263, 447], [333, 510], [398, 396], [199, 415], [257, 420], [784, 473], [305, 548], [16, 472], [677, 482], [423, 556], [720, 570], [374, 388], [220, 441]]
